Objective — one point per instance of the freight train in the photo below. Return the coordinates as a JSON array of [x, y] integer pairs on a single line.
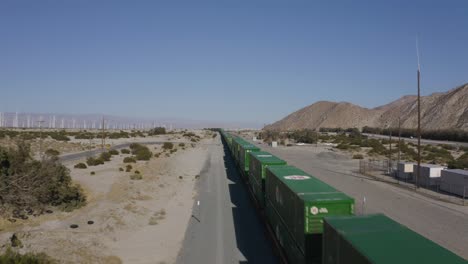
[[312, 222]]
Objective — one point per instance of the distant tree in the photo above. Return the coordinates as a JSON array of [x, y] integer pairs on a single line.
[[157, 131]]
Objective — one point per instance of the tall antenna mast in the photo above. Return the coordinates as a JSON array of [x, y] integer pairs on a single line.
[[418, 172]]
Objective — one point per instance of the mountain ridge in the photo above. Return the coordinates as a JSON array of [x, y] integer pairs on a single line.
[[441, 110]]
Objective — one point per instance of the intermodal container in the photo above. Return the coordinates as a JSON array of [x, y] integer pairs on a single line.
[[259, 161], [380, 240], [244, 158], [302, 201], [235, 148], [284, 237]]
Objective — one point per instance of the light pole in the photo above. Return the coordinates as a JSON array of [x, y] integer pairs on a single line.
[[418, 171]]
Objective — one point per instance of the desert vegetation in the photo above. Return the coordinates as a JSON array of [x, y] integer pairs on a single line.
[[442, 134], [27, 186], [168, 146], [93, 161], [352, 140], [12, 257], [125, 151], [157, 131], [141, 152]]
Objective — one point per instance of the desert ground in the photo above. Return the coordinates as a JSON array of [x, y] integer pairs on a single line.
[[133, 221]]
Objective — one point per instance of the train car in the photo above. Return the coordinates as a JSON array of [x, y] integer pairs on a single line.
[[307, 217], [245, 148], [259, 161], [380, 240], [301, 201], [236, 142]]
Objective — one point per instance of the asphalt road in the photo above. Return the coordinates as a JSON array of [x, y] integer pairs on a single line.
[[423, 141], [224, 227], [79, 155], [446, 224]]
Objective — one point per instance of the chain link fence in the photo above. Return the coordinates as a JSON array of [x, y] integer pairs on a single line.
[[387, 171]]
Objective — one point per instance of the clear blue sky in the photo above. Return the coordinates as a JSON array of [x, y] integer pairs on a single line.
[[239, 60]]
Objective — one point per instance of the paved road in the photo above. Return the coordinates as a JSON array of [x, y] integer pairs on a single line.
[[423, 141], [224, 228], [79, 155], [446, 224]]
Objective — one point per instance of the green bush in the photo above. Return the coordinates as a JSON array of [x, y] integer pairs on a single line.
[[463, 148], [80, 165], [105, 156], [59, 136], [157, 131], [128, 168], [343, 146], [460, 163], [92, 173], [92, 161], [121, 134], [11, 257], [125, 151], [113, 152], [121, 169], [189, 134], [29, 183], [447, 147], [52, 152], [141, 152], [168, 145], [181, 144], [137, 172], [136, 177], [358, 156], [129, 160]]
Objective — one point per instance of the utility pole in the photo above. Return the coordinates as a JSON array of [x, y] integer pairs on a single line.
[[316, 137], [418, 171], [390, 152], [40, 136], [103, 135], [399, 138]]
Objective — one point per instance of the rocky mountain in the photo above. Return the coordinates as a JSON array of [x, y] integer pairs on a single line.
[[438, 111]]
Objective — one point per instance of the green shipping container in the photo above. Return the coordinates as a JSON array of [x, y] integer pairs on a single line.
[[283, 237], [244, 158], [380, 240], [257, 191], [236, 143], [259, 161], [302, 201]]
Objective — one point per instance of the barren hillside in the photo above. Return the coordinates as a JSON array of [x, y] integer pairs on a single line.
[[438, 111]]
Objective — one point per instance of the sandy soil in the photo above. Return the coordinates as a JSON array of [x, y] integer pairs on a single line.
[[135, 221]]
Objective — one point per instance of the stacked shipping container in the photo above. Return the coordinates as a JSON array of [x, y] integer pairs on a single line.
[[301, 201], [259, 161], [379, 239]]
